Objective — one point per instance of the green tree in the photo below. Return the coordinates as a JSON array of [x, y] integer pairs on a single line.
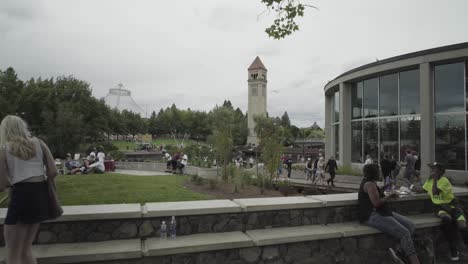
[[11, 89], [285, 122], [222, 137], [270, 134], [286, 13]]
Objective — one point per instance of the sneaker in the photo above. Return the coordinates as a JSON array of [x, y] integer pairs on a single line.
[[454, 255], [395, 256]]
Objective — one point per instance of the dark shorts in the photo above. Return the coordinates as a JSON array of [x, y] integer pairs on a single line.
[[28, 203], [453, 209]]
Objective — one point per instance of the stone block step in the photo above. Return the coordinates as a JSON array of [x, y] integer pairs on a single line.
[[85, 252], [278, 203], [190, 208], [133, 249], [284, 235], [196, 243]]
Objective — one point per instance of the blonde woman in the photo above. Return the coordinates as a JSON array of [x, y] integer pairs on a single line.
[[22, 161]]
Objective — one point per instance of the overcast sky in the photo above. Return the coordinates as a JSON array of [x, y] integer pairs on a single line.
[[196, 53]]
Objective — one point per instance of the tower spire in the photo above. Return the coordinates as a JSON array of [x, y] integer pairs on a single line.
[[257, 64]]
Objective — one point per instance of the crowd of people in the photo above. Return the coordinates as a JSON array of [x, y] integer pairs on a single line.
[[176, 163], [94, 163], [315, 170]]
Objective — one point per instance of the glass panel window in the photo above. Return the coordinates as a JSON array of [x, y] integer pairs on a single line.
[[337, 141], [336, 106], [370, 130], [356, 142], [466, 83], [388, 91], [409, 92], [389, 138], [370, 97], [449, 82], [356, 100], [410, 133], [450, 141]]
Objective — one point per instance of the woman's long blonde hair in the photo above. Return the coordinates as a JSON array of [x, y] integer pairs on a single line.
[[14, 134]]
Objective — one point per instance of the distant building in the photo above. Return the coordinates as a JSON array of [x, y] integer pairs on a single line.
[[121, 99], [257, 83]]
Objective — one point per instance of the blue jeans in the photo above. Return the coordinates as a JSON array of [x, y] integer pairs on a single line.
[[396, 226]]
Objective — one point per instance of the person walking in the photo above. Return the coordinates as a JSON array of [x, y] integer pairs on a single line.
[[22, 161], [315, 168], [309, 169], [395, 168], [386, 167], [368, 160], [320, 171], [410, 171], [289, 163], [331, 167], [375, 212]]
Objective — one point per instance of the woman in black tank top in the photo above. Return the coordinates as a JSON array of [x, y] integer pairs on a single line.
[[375, 211]]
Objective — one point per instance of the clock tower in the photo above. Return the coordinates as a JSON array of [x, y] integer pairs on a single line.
[[257, 83]]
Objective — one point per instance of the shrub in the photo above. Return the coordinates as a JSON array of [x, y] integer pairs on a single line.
[[194, 178], [348, 170], [213, 183], [199, 181], [300, 167], [284, 187], [117, 155]]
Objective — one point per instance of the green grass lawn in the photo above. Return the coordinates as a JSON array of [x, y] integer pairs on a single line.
[[119, 188]]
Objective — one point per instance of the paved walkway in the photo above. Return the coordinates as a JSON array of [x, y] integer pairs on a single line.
[[142, 173]]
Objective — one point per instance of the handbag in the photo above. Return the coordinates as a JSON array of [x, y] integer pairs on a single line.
[[55, 209]]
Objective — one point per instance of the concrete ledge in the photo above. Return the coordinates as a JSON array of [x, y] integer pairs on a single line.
[[284, 235], [86, 252], [190, 208], [277, 203], [100, 212], [336, 199], [197, 243]]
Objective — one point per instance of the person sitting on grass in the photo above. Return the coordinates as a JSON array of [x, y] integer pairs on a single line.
[[175, 162], [70, 164], [375, 212], [446, 207], [183, 162], [96, 167], [168, 159]]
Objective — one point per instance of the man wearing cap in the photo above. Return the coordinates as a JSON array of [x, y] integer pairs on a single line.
[[446, 207]]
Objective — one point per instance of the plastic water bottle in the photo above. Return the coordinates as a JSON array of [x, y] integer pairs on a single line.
[[172, 227], [163, 230]]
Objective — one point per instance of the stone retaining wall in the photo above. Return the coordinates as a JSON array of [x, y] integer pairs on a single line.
[[143, 227], [367, 249], [207, 173]]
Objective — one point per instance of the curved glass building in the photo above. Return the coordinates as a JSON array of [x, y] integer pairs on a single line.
[[416, 101]]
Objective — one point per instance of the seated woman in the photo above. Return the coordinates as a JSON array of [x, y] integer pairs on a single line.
[[376, 212], [446, 207]]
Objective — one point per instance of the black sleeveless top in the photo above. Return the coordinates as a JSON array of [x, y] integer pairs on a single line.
[[366, 207]]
